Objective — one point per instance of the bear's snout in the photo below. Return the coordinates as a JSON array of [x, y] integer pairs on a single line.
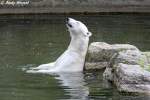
[[67, 22]]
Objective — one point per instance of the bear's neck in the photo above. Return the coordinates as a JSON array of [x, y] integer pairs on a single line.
[[79, 45]]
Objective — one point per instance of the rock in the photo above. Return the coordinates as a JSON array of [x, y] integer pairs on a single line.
[[103, 52], [100, 51], [132, 78], [147, 54], [133, 57], [125, 65], [95, 65], [95, 58], [108, 74], [121, 47]]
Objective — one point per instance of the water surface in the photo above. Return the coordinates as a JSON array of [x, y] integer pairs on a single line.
[[28, 41]]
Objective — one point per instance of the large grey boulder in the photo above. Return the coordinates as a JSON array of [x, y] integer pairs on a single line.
[[133, 57], [101, 51], [132, 78], [96, 59], [125, 65], [130, 57]]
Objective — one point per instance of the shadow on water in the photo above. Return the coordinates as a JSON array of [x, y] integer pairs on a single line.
[[28, 42]]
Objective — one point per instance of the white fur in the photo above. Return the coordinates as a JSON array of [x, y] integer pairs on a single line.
[[72, 60]]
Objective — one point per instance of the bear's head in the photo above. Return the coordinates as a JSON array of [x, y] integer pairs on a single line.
[[77, 28]]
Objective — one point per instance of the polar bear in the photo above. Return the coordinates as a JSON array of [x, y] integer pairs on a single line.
[[72, 60]]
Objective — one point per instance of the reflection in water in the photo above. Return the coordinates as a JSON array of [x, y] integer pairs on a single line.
[[74, 84]]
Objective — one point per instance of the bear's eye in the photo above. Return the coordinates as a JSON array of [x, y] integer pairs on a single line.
[[87, 33]]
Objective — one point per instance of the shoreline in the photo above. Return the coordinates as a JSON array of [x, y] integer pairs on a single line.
[[79, 13]]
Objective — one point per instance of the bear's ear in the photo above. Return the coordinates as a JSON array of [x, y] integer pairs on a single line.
[[88, 34]]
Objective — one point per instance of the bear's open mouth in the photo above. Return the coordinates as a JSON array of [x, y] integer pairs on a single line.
[[69, 24]]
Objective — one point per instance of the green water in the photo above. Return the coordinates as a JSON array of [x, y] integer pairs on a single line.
[[28, 41]]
